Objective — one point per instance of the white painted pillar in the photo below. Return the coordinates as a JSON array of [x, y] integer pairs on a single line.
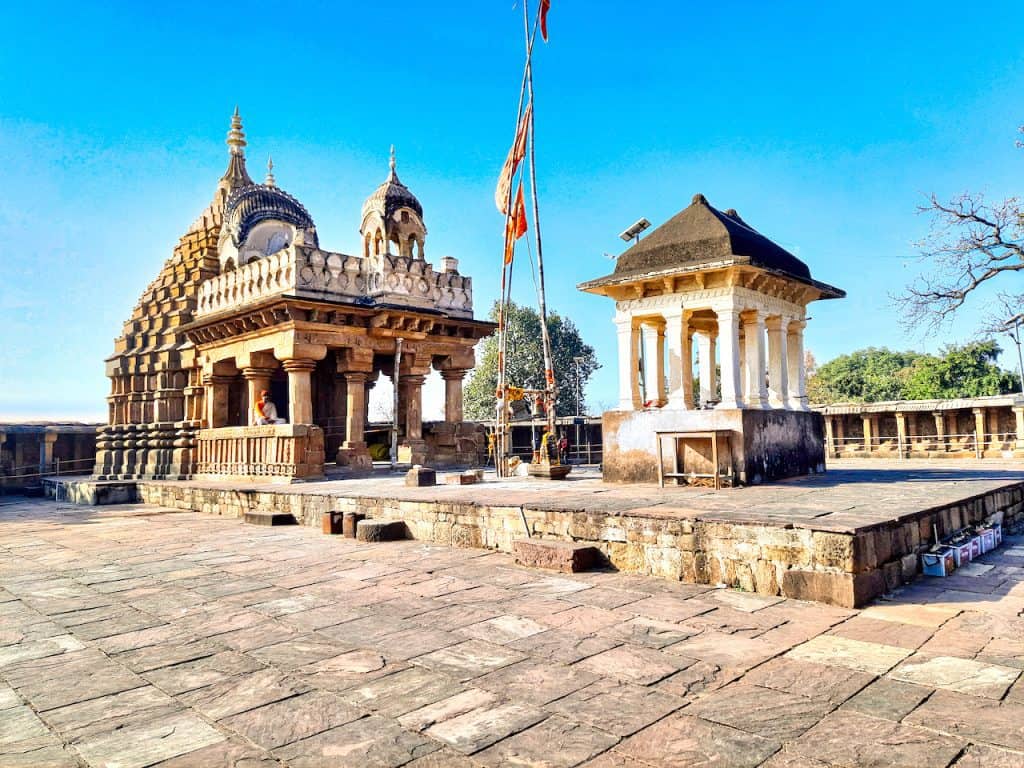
[[797, 373], [687, 365], [729, 339], [629, 362], [675, 339], [706, 363], [757, 385], [778, 363], [654, 362]]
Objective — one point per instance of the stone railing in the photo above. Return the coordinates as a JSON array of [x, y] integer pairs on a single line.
[[277, 453], [312, 273]]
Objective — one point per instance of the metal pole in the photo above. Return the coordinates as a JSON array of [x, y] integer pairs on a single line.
[[1020, 360]]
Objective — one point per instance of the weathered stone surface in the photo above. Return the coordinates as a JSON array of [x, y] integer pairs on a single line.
[[20, 724], [888, 699], [470, 659], [144, 744], [562, 556], [202, 672], [556, 742], [243, 692], [42, 682], [230, 753], [372, 742], [617, 708], [482, 726], [381, 530], [408, 689], [503, 629], [981, 756], [961, 675], [297, 651], [648, 632], [849, 738], [874, 658], [37, 649], [170, 653], [974, 718], [535, 682], [643, 666], [110, 713], [683, 741], [773, 714], [563, 646], [816, 681], [844, 589], [289, 720]]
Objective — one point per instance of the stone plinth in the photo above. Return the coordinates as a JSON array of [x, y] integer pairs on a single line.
[[278, 453], [418, 477], [562, 556], [380, 530], [764, 445]]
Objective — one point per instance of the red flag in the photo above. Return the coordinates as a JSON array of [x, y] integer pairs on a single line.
[[515, 156], [515, 226], [545, 6]]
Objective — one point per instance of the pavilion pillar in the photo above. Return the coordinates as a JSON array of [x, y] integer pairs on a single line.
[[778, 363], [757, 385], [979, 430], [46, 441], [654, 363], [994, 442], [868, 423], [680, 361], [901, 433], [729, 338], [796, 374], [707, 372], [1018, 412], [353, 451], [629, 364], [940, 430], [217, 400], [412, 390], [829, 438], [256, 380], [840, 434], [300, 396], [453, 394]]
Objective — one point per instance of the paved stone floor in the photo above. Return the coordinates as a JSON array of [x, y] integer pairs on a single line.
[[137, 636]]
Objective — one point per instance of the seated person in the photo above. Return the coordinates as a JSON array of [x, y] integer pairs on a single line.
[[266, 411]]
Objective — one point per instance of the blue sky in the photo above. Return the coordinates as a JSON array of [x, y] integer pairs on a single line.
[[824, 124]]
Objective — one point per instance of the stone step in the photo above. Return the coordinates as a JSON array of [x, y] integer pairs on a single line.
[[562, 556], [270, 518], [381, 530]]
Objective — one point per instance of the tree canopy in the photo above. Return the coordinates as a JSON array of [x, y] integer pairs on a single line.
[[525, 364], [872, 375]]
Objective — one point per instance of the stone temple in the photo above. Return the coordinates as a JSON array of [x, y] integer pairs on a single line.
[[250, 303], [707, 276]]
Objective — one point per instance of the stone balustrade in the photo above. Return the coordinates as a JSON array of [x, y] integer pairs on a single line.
[[316, 274], [277, 453]]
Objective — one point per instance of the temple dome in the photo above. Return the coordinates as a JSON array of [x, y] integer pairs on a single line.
[[391, 196], [253, 204]]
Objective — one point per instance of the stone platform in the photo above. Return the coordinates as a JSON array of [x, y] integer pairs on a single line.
[[841, 538]]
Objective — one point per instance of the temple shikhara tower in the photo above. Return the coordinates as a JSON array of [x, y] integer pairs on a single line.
[[706, 282], [249, 303]]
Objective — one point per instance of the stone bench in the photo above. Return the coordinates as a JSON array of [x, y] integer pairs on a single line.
[[254, 517], [562, 556], [381, 530]]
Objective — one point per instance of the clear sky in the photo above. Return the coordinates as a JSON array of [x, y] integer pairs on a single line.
[[823, 124]]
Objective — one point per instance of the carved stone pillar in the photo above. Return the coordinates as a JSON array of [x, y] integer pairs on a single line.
[[629, 364], [217, 400], [706, 362], [412, 390], [830, 451], [453, 395], [256, 381], [679, 343], [300, 400], [901, 433], [729, 339], [868, 423], [796, 374], [940, 430], [46, 441], [756, 384], [778, 362], [840, 434], [1018, 412], [979, 430]]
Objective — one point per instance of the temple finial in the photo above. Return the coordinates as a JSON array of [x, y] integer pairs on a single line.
[[392, 163], [236, 136], [270, 181]]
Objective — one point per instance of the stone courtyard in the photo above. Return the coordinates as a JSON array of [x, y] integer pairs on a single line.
[[139, 636]]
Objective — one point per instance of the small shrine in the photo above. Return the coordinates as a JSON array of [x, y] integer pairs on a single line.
[[707, 285], [253, 352]]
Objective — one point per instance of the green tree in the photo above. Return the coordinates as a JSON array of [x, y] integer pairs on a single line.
[[968, 370], [525, 364], [865, 376]]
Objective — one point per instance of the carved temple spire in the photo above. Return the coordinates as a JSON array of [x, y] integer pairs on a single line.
[[236, 175], [270, 181]]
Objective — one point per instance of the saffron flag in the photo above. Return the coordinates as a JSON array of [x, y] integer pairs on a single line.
[[515, 156], [515, 225], [545, 6]]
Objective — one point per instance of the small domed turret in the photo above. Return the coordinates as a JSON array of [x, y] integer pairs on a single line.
[[392, 214]]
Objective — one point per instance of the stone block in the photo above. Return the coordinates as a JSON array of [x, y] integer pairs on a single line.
[[380, 530], [893, 573], [908, 567], [563, 556], [419, 477], [331, 522], [465, 478], [843, 589], [349, 522], [255, 517]]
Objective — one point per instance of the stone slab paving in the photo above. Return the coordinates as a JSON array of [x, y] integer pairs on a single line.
[[136, 636]]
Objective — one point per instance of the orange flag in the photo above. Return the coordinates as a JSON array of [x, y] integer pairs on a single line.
[[515, 156], [515, 227], [545, 6]]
